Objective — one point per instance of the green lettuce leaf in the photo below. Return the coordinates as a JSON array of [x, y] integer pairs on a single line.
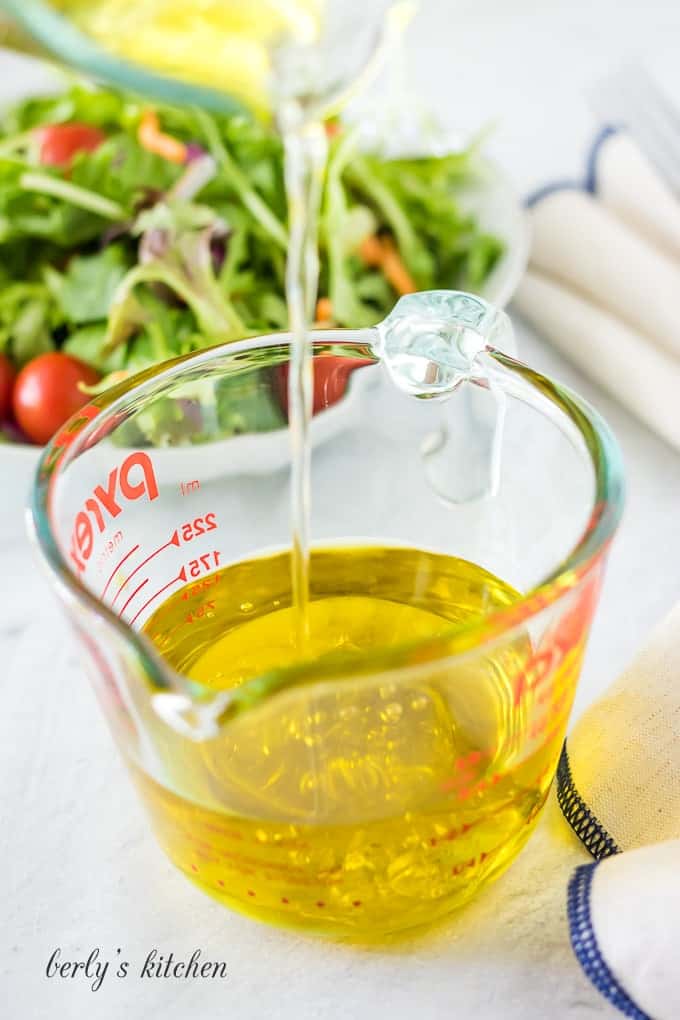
[[27, 318], [85, 291]]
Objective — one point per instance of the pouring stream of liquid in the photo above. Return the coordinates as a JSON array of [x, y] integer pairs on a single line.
[[306, 150]]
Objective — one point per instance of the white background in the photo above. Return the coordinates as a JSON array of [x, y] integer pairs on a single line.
[[79, 866]]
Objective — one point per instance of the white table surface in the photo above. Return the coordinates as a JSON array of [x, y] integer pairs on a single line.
[[79, 866]]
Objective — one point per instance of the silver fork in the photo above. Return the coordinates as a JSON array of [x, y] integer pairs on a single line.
[[632, 99]]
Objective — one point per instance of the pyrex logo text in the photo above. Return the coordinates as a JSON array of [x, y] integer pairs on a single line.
[[133, 479]]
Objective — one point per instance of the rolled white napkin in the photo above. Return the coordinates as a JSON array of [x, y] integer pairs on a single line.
[[618, 785], [604, 280], [576, 240], [629, 187], [642, 376]]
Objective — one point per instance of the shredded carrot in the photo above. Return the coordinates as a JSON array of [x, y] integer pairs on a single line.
[[324, 310], [152, 138], [395, 271], [371, 250], [382, 252], [332, 128]]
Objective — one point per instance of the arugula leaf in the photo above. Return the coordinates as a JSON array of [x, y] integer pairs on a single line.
[[167, 332], [483, 254], [345, 301], [246, 404], [241, 184], [32, 213], [87, 344], [85, 291], [441, 244], [123, 172], [27, 318], [103, 108], [367, 176]]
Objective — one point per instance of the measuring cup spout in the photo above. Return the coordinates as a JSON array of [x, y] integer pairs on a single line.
[[194, 719]]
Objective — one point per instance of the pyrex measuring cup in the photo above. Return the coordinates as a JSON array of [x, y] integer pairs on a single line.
[[364, 793]]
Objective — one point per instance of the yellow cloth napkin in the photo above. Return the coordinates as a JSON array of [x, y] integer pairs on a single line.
[[623, 756], [618, 785]]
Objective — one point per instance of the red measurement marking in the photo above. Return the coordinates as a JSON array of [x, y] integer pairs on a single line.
[[199, 526], [137, 589], [542, 774], [116, 569], [567, 635], [182, 576], [466, 766], [199, 612], [186, 487], [203, 563], [458, 869], [452, 834], [195, 590], [539, 669], [174, 540]]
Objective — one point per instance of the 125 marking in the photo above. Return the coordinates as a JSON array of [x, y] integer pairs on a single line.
[[195, 590]]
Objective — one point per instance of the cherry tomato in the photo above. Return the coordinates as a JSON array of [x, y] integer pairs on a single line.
[[7, 376], [60, 142], [331, 375], [46, 393]]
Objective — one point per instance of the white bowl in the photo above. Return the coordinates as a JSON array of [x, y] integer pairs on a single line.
[[491, 197]]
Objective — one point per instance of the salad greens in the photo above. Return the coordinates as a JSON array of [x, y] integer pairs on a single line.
[[124, 258]]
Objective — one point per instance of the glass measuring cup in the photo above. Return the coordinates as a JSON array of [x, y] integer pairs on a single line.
[[364, 793]]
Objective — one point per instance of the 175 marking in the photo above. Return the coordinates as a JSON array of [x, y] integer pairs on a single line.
[[203, 564]]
